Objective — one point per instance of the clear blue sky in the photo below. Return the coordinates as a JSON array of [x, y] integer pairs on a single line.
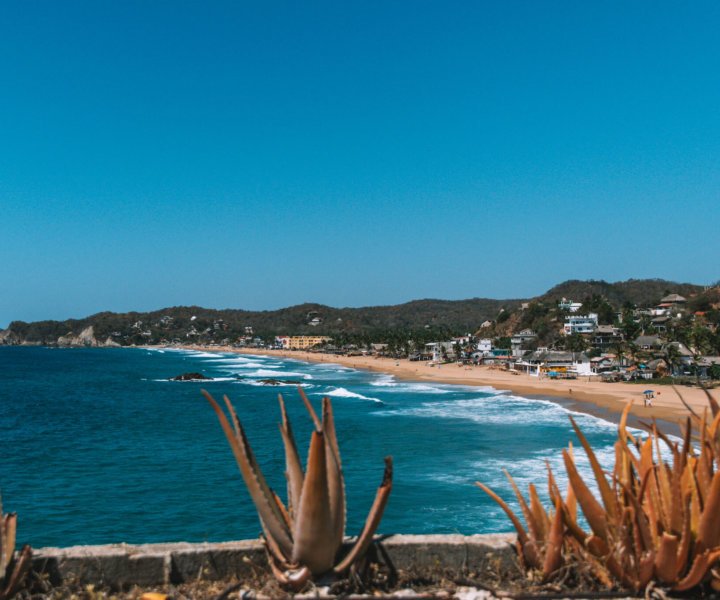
[[351, 153]]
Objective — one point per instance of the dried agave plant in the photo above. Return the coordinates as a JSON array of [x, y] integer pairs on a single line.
[[304, 538], [12, 570], [540, 545], [654, 521]]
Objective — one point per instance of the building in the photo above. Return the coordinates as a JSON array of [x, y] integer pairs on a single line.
[[580, 324], [555, 362], [484, 347], [606, 337], [569, 305], [440, 350], [300, 342], [674, 300], [648, 342], [518, 341]]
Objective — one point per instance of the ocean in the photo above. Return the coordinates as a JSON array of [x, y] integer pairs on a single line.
[[97, 446]]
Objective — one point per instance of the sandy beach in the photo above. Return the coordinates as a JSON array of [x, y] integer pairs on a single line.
[[606, 399]]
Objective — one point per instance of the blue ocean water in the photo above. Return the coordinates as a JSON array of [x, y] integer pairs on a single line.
[[97, 446]]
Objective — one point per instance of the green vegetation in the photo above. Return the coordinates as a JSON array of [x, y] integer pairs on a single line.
[[406, 328]]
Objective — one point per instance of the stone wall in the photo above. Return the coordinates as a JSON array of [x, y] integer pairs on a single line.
[[124, 565]]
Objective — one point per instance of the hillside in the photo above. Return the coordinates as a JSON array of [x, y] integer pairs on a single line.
[[188, 324], [638, 292]]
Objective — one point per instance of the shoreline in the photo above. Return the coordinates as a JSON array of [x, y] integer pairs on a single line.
[[605, 400]]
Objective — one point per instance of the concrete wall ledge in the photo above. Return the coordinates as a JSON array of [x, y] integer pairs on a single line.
[[124, 565]]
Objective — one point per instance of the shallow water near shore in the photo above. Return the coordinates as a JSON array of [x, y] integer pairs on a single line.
[[97, 446]]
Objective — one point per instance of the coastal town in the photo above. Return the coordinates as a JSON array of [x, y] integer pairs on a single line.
[[674, 339], [662, 341]]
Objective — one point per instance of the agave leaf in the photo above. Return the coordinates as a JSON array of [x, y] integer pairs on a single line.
[[553, 549], [594, 513], [7, 540], [703, 472], [294, 472], [336, 485], [698, 570], [663, 482], [553, 489], [597, 546], [527, 513], [540, 517], [714, 406], [687, 443], [310, 409], [666, 558], [644, 540], [270, 517], [313, 535], [690, 408], [573, 528], [522, 534], [686, 537], [709, 526], [606, 493], [677, 503], [570, 498], [372, 521], [646, 568], [20, 570]]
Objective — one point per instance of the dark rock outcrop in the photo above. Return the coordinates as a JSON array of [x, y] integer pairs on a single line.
[[191, 377], [279, 381]]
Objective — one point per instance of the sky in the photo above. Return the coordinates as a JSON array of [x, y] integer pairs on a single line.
[[261, 155]]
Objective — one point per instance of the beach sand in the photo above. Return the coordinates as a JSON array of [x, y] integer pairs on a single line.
[[596, 397]]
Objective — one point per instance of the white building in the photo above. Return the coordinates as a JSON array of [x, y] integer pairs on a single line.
[[569, 305], [581, 324], [484, 347]]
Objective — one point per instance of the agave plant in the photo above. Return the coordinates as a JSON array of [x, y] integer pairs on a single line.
[[304, 537], [654, 521], [12, 570], [540, 545]]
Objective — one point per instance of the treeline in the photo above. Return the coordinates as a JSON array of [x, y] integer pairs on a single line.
[[419, 320]]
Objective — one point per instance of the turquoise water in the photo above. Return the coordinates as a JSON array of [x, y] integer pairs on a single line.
[[96, 446]]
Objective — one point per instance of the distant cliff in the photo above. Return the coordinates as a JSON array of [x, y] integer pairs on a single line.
[[194, 324]]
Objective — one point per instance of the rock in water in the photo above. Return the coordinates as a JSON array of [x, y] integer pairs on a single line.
[[191, 377], [279, 382]]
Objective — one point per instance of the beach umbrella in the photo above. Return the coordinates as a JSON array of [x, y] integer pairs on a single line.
[[649, 392]]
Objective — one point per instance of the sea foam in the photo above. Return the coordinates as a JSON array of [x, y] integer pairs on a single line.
[[341, 392]]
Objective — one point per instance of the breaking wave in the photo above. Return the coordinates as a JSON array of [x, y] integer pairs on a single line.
[[341, 392]]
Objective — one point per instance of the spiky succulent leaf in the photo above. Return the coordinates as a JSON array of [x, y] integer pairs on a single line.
[[314, 535], [271, 518]]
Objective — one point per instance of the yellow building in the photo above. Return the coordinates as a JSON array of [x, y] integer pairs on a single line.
[[301, 342]]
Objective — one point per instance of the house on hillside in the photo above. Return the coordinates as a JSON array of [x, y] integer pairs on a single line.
[[674, 300], [519, 340], [649, 342], [569, 305], [606, 337], [705, 364], [580, 324], [660, 324], [684, 358]]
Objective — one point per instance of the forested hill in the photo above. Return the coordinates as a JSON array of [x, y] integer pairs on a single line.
[[187, 324], [639, 292]]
